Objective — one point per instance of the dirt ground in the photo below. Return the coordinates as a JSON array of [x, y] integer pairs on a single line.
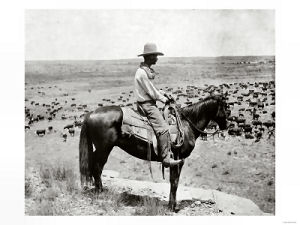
[[233, 164]]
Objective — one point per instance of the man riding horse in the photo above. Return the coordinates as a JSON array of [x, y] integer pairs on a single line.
[[146, 95]]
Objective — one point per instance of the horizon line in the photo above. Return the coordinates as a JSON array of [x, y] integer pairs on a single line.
[[26, 60]]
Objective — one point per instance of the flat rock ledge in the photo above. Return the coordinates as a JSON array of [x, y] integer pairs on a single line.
[[226, 203]]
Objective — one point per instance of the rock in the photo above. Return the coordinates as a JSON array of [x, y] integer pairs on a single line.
[[228, 204], [110, 173]]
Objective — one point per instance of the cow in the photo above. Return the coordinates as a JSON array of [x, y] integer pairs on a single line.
[[69, 126], [257, 123], [41, 133], [269, 124], [71, 132], [273, 115], [249, 136], [247, 128], [235, 131], [64, 135], [260, 105]]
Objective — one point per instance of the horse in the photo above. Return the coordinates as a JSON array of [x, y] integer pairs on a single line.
[[101, 128]]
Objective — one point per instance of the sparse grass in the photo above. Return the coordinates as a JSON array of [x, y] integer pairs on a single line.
[[145, 205], [59, 175], [55, 180], [152, 207]]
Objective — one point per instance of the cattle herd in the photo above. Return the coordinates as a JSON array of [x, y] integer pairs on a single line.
[[251, 106]]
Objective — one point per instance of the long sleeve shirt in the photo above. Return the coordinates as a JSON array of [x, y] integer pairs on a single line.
[[144, 89]]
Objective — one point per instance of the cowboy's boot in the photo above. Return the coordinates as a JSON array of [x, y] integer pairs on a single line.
[[164, 146]]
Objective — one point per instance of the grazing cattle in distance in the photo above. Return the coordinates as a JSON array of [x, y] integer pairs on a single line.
[[27, 127], [235, 131], [240, 98], [40, 117], [247, 128], [50, 128], [249, 136], [258, 135], [255, 116], [256, 123], [77, 123], [260, 105], [64, 135], [41, 132], [269, 124], [240, 120], [69, 126], [252, 104], [273, 115], [71, 132], [241, 115]]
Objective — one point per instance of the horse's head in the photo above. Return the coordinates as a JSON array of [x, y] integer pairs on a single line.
[[222, 112]]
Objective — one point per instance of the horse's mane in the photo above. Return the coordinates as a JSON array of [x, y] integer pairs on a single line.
[[195, 109]]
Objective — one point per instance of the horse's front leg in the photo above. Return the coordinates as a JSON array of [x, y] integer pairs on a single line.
[[174, 179]]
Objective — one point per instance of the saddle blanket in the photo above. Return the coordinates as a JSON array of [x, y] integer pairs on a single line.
[[139, 126]]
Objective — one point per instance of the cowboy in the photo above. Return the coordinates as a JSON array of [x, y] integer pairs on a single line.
[[146, 95]]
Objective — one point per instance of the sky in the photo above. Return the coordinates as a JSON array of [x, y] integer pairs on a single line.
[[121, 34]]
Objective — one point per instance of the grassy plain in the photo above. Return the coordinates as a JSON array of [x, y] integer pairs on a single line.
[[234, 165]]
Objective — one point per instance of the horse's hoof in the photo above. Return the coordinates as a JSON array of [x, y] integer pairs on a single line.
[[174, 208]]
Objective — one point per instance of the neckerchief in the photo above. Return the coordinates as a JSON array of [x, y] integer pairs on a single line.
[[150, 72]]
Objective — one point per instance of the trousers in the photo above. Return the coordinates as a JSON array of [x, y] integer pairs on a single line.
[[155, 117]]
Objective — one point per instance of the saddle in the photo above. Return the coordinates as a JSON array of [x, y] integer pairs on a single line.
[[136, 123]]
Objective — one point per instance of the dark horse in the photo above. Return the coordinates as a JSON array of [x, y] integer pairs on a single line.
[[102, 128]]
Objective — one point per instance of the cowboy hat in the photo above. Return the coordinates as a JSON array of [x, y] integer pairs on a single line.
[[150, 49]]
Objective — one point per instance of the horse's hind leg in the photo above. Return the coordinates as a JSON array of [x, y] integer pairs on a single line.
[[101, 156]]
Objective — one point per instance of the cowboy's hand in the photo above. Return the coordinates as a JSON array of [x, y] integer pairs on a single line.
[[170, 99]]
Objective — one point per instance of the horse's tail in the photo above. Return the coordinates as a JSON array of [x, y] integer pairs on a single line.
[[85, 154]]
